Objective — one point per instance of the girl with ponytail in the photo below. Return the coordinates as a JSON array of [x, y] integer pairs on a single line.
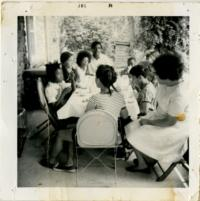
[[109, 99]]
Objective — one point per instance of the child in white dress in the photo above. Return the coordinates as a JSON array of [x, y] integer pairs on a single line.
[[57, 93]]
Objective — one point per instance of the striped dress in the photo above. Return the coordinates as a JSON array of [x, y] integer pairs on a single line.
[[110, 103]]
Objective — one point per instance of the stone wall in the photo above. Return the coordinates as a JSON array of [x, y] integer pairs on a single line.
[[22, 61]]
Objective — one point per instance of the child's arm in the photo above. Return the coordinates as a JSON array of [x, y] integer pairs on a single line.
[[145, 98], [166, 121], [124, 116], [91, 104], [65, 95], [72, 80], [144, 107]]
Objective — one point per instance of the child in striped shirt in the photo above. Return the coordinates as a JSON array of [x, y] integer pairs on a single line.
[[109, 99]]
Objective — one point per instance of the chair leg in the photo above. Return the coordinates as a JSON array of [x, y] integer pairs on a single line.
[[167, 172], [95, 158], [21, 140], [154, 170], [115, 158], [100, 161], [39, 129], [122, 133], [184, 164], [44, 122], [181, 177], [76, 149], [170, 169], [77, 167]]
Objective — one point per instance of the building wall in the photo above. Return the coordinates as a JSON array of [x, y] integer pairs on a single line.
[[38, 43]]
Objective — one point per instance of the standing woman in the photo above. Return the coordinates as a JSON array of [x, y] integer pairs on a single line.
[[162, 134]]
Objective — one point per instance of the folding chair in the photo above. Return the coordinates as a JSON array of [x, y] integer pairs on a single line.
[[43, 104], [165, 173], [97, 129], [39, 128], [51, 119]]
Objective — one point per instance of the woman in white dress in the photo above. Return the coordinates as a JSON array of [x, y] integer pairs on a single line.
[[163, 133]]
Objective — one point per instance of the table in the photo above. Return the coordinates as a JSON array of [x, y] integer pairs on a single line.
[[76, 105]]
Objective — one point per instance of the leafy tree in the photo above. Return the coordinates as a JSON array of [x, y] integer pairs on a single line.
[[164, 33], [79, 32]]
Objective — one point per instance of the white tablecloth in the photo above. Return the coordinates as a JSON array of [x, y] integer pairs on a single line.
[[76, 105]]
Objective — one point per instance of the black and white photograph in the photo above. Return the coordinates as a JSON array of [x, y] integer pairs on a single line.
[[102, 101]]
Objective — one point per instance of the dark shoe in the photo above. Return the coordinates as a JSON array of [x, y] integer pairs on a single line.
[[45, 163], [135, 162], [135, 169], [60, 168], [71, 169]]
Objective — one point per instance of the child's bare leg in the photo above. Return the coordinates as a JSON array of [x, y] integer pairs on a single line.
[[141, 162], [70, 154], [63, 135], [57, 148]]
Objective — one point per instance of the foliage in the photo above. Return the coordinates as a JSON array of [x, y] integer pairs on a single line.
[[79, 32], [143, 33], [164, 33]]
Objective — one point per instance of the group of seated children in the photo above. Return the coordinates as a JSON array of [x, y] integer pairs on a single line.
[[63, 80]]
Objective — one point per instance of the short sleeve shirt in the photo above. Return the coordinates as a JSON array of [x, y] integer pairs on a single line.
[[103, 59], [173, 100], [110, 103], [147, 95]]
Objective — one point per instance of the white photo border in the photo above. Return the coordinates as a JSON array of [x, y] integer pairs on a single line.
[[8, 138]]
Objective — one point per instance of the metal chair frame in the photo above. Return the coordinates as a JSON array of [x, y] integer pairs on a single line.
[[166, 173], [104, 147], [51, 119]]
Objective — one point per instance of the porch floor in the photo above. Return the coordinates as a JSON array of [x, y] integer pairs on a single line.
[[32, 174]]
